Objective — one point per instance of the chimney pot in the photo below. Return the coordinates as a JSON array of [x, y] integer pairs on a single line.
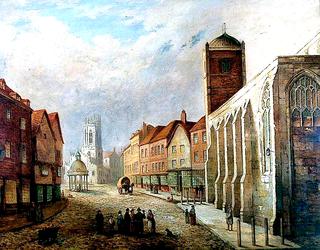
[[183, 116]]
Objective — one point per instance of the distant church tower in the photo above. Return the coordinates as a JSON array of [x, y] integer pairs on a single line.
[[224, 70], [92, 142]]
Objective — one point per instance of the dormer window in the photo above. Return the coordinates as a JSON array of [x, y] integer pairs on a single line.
[[225, 65]]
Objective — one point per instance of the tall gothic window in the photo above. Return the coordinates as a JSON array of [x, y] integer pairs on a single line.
[[266, 138], [90, 137], [304, 102]]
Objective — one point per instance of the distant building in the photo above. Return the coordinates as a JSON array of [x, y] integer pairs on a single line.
[[15, 149], [91, 152], [111, 160], [132, 156]]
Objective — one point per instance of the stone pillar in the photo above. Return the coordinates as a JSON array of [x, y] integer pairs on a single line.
[[228, 149], [246, 178], [211, 165], [237, 157], [221, 169]]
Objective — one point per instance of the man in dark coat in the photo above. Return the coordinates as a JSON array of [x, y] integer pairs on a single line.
[[139, 220], [127, 221], [99, 221]]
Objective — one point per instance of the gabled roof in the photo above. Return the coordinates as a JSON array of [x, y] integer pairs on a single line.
[[55, 125], [107, 154], [36, 119], [186, 126], [151, 135], [6, 91], [167, 131], [201, 124]]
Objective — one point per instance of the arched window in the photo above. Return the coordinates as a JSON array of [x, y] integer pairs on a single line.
[[304, 102], [266, 129], [90, 136]]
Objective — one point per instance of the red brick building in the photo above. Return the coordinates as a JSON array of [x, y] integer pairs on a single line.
[[15, 148], [225, 70], [198, 152]]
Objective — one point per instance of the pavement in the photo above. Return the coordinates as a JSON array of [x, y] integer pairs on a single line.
[[18, 221], [214, 220]]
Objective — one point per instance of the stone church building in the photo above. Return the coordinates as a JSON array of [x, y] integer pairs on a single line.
[[264, 136], [91, 151]]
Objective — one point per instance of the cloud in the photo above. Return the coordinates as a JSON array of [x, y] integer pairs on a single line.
[[150, 78]]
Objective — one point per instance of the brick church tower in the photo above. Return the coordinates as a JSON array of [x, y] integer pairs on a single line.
[[224, 70]]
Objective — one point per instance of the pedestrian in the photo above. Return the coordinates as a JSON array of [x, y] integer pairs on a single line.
[[151, 222], [99, 222], [127, 221], [38, 213], [192, 216], [111, 224], [144, 217], [133, 222], [120, 222], [186, 215], [139, 221], [229, 218]]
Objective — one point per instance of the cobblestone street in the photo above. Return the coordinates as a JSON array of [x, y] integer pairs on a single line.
[[77, 220]]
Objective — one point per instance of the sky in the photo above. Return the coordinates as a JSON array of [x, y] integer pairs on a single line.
[[132, 60]]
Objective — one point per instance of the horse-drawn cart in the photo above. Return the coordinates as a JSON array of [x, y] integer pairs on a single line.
[[123, 185]]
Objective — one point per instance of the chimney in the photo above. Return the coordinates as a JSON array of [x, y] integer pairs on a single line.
[[144, 129], [183, 116]]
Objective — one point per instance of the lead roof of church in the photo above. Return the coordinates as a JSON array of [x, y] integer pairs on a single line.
[[225, 40]]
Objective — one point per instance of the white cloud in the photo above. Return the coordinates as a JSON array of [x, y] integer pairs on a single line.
[[131, 82]]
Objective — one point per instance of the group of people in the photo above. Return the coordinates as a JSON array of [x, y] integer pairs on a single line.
[[130, 223], [190, 216]]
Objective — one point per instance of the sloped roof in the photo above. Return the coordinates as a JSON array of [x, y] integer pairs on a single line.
[[36, 119], [151, 134], [9, 93], [225, 41], [186, 126], [201, 124], [108, 154], [55, 125], [167, 131]]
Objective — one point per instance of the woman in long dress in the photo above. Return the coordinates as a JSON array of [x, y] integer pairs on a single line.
[[151, 222]]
